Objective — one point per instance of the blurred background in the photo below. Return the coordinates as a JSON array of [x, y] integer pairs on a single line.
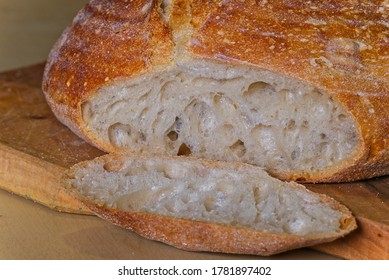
[[29, 28]]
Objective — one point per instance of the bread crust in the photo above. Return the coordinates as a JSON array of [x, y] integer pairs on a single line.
[[201, 236], [195, 235], [340, 47]]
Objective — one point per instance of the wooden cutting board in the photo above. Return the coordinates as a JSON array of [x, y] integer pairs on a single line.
[[35, 149]]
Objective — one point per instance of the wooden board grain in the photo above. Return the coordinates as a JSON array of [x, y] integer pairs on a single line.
[[33, 142], [35, 149]]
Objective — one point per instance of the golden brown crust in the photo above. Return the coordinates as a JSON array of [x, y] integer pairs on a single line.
[[340, 47], [204, 236]]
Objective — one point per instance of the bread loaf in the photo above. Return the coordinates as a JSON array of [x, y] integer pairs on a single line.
[[201, 205], [299, 88]]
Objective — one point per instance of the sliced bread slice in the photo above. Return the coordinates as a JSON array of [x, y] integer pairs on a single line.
[[203, 205]]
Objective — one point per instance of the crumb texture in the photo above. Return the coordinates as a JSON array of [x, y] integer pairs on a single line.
[[227, 113], [241, 197]]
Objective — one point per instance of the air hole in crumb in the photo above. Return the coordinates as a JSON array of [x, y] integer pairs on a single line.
[[143, 114], [238, 148], [217, 97], [185, 199], [140, 136], [305, 124], [258, 86], [114, 166], [257, 195], [184, 150], [119, 134], [178, 124], [181, 76], [341, 117], [226, 129], [209, 204], [87, 112], [284, 91], [169, 208], [295, 154], [190, 187], [291, 124], [144, 97], [166, 90], [323, 136], [172, 135]]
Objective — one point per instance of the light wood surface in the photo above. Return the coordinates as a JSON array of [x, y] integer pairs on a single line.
[[29, 230]]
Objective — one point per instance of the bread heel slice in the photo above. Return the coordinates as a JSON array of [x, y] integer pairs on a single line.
[[202, 205]]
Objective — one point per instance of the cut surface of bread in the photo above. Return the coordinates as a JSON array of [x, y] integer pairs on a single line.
[[218, 112], [200, 205], [299, 88]]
